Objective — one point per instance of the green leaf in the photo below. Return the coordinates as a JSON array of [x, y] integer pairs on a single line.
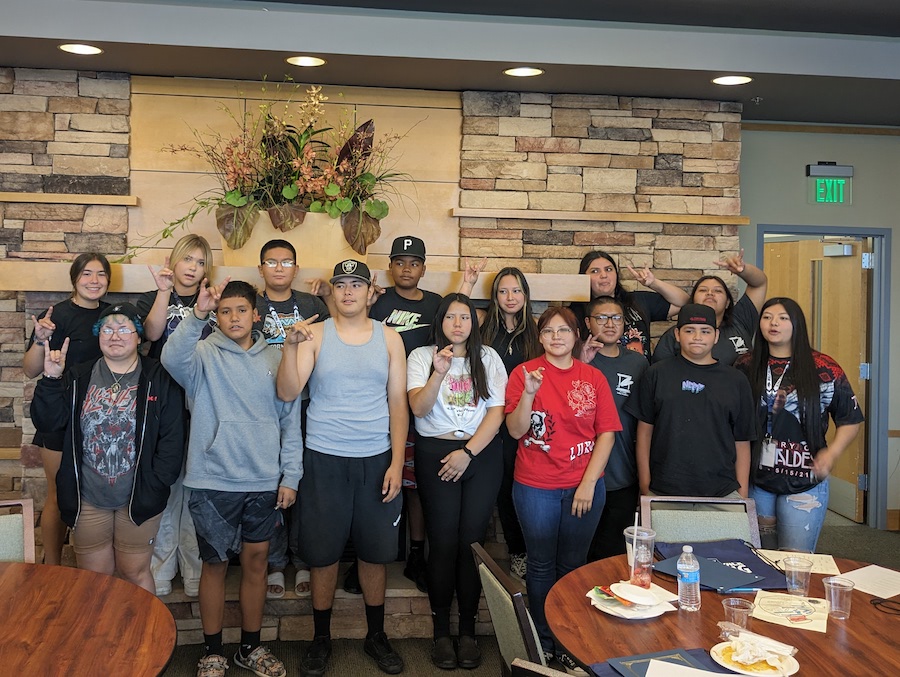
[[332, 190], [290, 191], [317, 207], [368, 179], [235, 198], [377, 209], [333, 210], [345, 204]]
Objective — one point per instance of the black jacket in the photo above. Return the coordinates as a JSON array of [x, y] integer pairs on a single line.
[[159, 427]]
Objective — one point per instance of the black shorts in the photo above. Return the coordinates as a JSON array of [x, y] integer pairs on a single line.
[[226, 519], [341, 497]]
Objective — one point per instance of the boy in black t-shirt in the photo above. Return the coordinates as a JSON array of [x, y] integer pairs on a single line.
[[279, 306], [695, 418]]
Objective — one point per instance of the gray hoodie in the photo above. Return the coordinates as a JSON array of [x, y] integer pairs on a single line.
[[242, 438]]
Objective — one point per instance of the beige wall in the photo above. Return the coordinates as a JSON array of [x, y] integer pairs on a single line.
[[164, 110]]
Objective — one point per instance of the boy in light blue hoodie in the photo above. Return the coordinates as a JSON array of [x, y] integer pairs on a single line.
[[244, 461]]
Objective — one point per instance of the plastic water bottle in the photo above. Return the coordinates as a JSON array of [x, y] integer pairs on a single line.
[[688, 580]]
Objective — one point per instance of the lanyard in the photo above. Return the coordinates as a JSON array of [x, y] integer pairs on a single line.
[[771, 393], [279, 326]]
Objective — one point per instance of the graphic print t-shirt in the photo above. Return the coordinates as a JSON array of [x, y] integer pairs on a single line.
[[411, 319], [785, 467], [276, 316], [571, 408], [108, 434], [178, 308]]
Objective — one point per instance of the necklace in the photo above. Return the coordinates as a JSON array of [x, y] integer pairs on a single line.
[[115, 387]]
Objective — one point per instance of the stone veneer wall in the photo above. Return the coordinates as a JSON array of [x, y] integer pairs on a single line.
[[60, 132], [580, 153]]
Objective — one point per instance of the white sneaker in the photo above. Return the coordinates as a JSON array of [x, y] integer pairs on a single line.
[[163, 588]]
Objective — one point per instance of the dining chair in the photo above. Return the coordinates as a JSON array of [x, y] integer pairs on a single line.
[[685, 519], [522, 668], [516, 635], [17, 530]]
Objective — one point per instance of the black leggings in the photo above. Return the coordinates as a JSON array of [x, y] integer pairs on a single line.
[[509, 520], [456, 514]]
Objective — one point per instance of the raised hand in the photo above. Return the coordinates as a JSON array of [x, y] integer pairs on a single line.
[[442, 359], [300, 331], [209, 295], [645, 276], [473, 270], [164, 277], [374, 292], [533, 379], [55, 360], [44, 328], [590, 348], [319, 287], [733, 264]]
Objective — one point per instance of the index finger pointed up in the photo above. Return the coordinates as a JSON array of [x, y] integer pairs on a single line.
[[64, 349], [48, 313]]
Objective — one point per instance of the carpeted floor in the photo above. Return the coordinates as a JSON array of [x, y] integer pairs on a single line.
[[348, 659], [843, 538]]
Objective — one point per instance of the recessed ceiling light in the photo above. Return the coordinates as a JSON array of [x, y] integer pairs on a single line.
[[86, 50], [523, 72], [306, 61], [732, 80]]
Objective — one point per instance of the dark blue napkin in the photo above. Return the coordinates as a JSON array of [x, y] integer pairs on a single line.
[[701, 656]]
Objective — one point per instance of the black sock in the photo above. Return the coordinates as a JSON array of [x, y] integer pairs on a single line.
[[466, 624], [322, 623], [249, 641], [416, 545], [374, 619], [212, 644], [440, 619]]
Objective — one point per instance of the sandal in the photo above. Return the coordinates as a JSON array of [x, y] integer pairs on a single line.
[[301, 577], [212, 666], [275, 580], [261, 662]]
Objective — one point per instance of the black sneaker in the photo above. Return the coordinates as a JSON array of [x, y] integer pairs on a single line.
[[442, 653], [569, 664], [315, 661], [388, 660], [415, 569], [351, 580], [468, 654], [551, 662]]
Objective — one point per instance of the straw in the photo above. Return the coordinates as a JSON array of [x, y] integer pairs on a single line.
[[634, 544]]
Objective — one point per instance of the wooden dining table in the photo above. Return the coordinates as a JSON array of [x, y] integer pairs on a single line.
[[58, 620], [867, 643]]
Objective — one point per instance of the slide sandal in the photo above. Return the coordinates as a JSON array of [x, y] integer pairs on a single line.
[[275, 579]]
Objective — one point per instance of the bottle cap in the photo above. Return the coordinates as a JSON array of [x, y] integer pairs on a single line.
[[688, 548]]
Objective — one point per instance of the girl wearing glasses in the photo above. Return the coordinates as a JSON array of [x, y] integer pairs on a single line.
[[162, 309], [562, 412], [797, 388], [623, 370], [456, 392], [736, 322], [121, 416], [641, 307], [72, 319]]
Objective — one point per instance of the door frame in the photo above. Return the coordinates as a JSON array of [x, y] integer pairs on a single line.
[[876, 448]]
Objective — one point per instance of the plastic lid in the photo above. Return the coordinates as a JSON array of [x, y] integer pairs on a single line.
[[688, 548]]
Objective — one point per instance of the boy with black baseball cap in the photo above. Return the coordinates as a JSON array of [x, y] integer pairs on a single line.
[[695, 417]]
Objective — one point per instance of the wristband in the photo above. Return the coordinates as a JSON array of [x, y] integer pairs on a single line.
[[468, 452], [52, 378], [40, 343]]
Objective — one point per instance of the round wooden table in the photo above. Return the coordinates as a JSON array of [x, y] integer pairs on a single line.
[[62, 621], [867, 643]]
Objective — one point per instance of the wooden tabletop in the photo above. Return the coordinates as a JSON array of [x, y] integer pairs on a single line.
[[63, 621], [868, 643]]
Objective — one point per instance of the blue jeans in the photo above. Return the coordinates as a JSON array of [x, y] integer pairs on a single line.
[[798, 517], [556, 542]]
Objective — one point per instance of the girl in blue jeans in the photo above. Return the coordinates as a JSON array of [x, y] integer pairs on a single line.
[[562, 412]]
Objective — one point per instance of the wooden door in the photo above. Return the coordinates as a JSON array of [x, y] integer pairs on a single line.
[[834, 294]]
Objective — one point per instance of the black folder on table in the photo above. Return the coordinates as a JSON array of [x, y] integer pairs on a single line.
[[734, 553], [713, 575]]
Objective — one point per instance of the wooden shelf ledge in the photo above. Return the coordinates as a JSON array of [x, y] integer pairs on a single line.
[[71, 199], [634, 217]]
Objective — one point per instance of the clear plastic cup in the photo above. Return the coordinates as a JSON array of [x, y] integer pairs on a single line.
[[737, 610], [796, 572], [839, 594], [639, 542]]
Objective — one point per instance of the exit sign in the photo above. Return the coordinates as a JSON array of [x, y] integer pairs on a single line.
[[830, 190]]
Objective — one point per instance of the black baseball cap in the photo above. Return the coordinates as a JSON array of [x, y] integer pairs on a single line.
[[352, 268], [408, 245], [696, 313], [125, 309]]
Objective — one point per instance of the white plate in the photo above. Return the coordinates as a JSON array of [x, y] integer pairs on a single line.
[[634, 594], [791, 666], [636, 613]]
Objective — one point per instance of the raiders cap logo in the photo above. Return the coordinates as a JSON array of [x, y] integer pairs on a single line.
[[349, 266]]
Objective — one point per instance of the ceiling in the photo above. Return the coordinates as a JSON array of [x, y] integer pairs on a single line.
[[844, 68]]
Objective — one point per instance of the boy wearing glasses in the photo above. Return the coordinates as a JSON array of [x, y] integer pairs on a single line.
[[695, 417], [279, 306], [244, 461], [605, 322]]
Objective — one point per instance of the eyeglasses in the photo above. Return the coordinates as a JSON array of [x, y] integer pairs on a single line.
[[603, 319], [888, 606], [121, 331], [562, 331], [272, 263]]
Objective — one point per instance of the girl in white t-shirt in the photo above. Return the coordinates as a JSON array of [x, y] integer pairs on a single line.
[[458, 406]]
